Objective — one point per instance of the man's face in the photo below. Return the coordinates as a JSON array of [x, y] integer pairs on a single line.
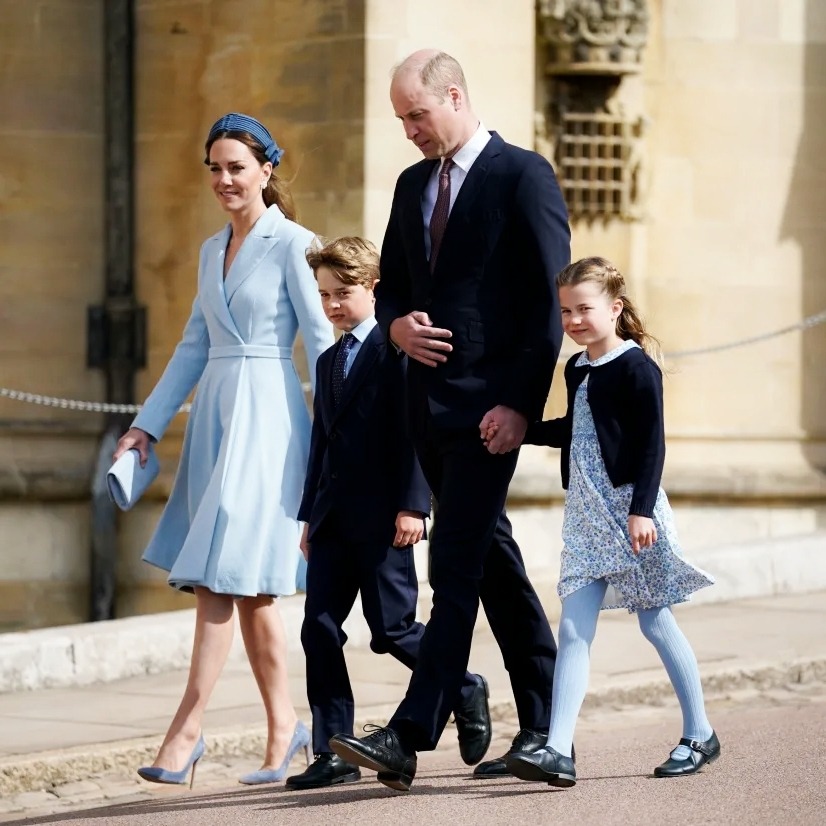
[[434, 125]]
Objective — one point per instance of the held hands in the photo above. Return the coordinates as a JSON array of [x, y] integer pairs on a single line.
[[642, 531], [502, 429], [304, 542], [409, 529], [133, 438], [415, 334]]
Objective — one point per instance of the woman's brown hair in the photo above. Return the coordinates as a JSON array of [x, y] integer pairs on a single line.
[[276, 191]]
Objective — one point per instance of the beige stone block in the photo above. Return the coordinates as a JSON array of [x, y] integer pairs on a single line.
[[48, 543], [139, 599], [771, 65], [672, 189], [35, 604], [738, 125], [700, 20], [759, 19], [803, 21]]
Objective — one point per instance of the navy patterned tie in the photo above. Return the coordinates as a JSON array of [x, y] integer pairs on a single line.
[[339, 364], [441, 211]]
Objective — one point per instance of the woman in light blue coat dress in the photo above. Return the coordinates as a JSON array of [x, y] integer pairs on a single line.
[[229, 531]]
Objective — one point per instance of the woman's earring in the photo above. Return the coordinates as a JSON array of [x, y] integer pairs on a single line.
[[263, 184]]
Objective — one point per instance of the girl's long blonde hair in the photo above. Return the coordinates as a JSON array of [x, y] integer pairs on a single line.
[[630, 324]]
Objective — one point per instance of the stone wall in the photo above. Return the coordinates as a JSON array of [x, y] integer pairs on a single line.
[[730, 242], [51, 269]]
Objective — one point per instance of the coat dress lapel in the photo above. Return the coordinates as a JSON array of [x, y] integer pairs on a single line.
[[254, 249]]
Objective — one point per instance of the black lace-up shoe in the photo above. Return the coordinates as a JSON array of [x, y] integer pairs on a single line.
[[527, 740], [381, 751], [699, 755], [545, 764], [326, 770], [473, 724]]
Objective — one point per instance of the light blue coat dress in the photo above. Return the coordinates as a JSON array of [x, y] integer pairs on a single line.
[[230, 522]]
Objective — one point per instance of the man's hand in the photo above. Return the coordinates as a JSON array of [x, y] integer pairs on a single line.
[[409, 529], [304, 542], [133, 438], [642, 531], [502, 429], [415, 334]]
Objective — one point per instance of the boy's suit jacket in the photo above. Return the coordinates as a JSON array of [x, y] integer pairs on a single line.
[[362, 463]]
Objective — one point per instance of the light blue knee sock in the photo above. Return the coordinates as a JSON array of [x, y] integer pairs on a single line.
[[580, 611], [660, 628]]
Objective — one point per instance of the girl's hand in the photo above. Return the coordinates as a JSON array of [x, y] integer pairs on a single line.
[[136, 439], [409, 529], [642, 531]]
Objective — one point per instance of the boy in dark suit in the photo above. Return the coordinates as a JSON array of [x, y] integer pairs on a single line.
[[365, 501]]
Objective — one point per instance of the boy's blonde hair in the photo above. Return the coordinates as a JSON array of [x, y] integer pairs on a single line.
[[630, 324], [351, 259]]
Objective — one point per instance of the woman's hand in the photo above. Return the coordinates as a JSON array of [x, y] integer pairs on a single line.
[[642, 531], [409, 529], [134, 438]]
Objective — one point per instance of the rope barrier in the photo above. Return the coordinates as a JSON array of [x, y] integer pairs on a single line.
[[108, 407]]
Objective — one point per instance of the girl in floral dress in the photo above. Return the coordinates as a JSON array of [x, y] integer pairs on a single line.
[[620, 543]]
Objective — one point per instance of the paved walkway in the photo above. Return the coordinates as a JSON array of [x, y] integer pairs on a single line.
[[57, 741]]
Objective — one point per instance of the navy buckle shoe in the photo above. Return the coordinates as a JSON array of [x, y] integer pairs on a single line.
[[699, 755]]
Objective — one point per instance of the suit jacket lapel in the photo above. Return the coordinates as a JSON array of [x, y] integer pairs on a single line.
[[415, 221], [367, 354], [328, 407], [470, 191]]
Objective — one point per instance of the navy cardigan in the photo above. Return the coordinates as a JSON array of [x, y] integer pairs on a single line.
[[626, 400]]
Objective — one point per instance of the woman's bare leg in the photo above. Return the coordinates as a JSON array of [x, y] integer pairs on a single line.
[[266, 644], [213, 639]]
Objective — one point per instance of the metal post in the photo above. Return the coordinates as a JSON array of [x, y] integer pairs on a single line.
[[116, 333]]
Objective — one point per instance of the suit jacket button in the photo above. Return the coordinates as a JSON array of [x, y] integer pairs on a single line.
[[333, 436], [334, 476]]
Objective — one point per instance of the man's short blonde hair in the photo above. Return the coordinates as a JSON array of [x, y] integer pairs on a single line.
[[437, 73]]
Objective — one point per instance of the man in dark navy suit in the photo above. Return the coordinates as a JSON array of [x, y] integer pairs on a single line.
[[365, 501], [477, 233]]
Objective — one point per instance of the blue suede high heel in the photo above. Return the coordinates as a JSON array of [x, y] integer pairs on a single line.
[[155, 774], [301, 739]]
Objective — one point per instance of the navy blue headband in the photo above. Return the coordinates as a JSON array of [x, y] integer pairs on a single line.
[[236, 122]]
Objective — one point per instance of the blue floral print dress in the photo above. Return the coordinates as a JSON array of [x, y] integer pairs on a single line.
[[595, 526]]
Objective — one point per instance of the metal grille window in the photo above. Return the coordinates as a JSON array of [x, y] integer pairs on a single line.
[[597, 163]]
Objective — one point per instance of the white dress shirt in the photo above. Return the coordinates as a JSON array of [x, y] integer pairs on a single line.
[[463, 160]]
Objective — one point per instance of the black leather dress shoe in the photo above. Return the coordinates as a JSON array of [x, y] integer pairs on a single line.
[[473, 723], [527, 740], [380, 751], [326, 770], [544, 764], [699, 755]]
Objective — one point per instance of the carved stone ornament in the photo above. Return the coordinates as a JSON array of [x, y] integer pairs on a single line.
[[599, 37]]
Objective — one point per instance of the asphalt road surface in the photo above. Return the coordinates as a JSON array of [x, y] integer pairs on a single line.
[[772, 771]]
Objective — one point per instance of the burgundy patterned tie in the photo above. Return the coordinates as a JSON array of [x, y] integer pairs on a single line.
[[441, 210]]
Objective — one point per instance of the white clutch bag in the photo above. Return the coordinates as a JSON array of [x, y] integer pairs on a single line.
[[127, 480]]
